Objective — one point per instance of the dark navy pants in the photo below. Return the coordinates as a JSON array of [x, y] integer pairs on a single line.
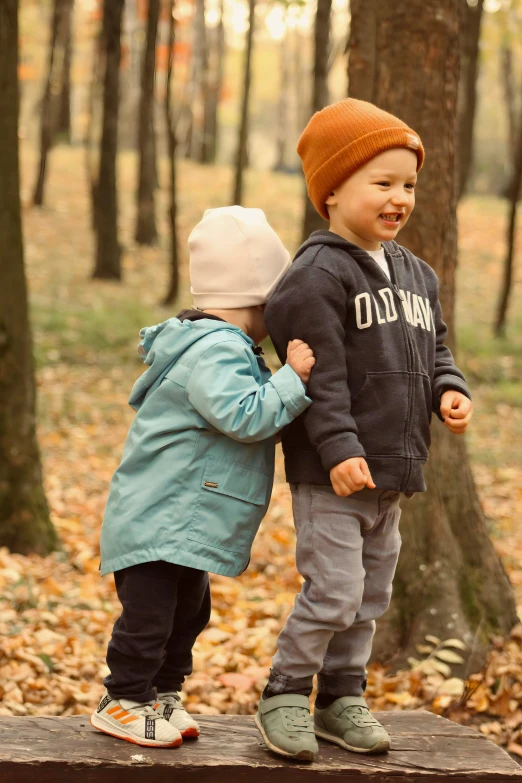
[[165, 608]]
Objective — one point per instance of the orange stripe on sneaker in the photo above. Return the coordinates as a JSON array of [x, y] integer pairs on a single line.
[[129, 720], [156, 705], [112, 710], [121, 714]]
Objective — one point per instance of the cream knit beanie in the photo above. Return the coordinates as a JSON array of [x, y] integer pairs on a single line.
[[236, 259]]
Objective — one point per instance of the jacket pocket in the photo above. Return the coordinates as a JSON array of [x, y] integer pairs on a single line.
[[392, 412], [231, 503]]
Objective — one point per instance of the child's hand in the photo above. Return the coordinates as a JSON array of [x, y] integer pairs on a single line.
[[456, 410], [350, 476], [300, 357]]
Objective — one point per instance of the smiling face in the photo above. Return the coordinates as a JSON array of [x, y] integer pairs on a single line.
[[373, 204]]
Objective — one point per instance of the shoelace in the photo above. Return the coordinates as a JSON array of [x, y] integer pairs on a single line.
[[297, 718], [173, 701], [145, 711], [363, 713]]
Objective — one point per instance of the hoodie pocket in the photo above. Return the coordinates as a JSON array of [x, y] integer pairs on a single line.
[[231, 504], [392, 412]]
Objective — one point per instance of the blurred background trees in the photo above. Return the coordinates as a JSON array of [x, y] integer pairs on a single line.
[[180, 106]]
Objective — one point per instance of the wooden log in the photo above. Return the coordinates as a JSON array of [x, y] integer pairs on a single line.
[[426, 748]]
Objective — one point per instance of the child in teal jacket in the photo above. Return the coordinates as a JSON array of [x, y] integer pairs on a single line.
[[196, 473]]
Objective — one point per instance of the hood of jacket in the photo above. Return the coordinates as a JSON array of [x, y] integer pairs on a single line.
[[330, 239], [162, 345]]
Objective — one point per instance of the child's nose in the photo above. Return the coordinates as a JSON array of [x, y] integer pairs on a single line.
[[399, 199]]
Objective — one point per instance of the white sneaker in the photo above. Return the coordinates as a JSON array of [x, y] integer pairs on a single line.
[[170, 708], [135, 722]]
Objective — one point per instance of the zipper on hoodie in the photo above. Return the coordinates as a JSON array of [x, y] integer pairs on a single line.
[[411, 369]]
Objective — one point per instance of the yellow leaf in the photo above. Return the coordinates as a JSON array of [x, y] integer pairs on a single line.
[[433, 639], [442, 668], [424, 649], [449, 656], [455, 643]]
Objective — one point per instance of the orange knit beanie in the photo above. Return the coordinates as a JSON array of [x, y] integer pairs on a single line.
[[341, 138]]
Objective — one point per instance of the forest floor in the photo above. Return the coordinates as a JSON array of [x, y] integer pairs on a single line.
[[56, 613]]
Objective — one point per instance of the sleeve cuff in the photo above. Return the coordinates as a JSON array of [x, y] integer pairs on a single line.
[[447, 383], [338, 449], [291, 390]]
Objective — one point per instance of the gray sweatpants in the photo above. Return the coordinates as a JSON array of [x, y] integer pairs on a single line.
[[347, 551]]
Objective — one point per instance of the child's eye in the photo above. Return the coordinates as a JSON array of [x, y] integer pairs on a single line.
[[384, 184], [410, 185]]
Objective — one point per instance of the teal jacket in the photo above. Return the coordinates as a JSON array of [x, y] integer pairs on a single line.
[[197, 469]]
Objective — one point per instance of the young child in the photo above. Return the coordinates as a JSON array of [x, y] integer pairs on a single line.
[[196, 474], [370, 311]]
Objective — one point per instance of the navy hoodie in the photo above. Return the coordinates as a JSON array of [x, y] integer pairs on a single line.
[[381, 363]]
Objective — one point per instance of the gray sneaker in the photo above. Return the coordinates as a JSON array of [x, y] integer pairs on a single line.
[[286, 726], [349, 723]]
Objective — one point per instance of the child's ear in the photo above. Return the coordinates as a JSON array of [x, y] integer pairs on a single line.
[[331, 200]]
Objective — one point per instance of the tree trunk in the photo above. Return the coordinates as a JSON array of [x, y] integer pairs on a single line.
[[146, 233], [507, 281], [509, 93], [283, 106], [214, 87], [197, 85], [108, 249], [47, 122], [449, 582], [312, 219], [24, 517], [243, 130], [92, 102], [172, 292], [362, 54], [63, 125], [470, 50]]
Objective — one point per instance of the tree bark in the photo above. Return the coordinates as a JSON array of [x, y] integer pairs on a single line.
[[243, 129], [283, 106], [108, 249], [173, 289], [362, 54], [24, 517], [48, 106], [92, 102], [146, 233], [509, 94], [470, 69], [449, 582], [312, 219], [214, 87], [63, 125], [197, 87], [507, 279]]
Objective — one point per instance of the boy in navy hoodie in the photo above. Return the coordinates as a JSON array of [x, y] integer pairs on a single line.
[[370, 311]]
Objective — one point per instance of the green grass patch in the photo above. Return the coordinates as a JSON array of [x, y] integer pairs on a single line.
[[100, 334]]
